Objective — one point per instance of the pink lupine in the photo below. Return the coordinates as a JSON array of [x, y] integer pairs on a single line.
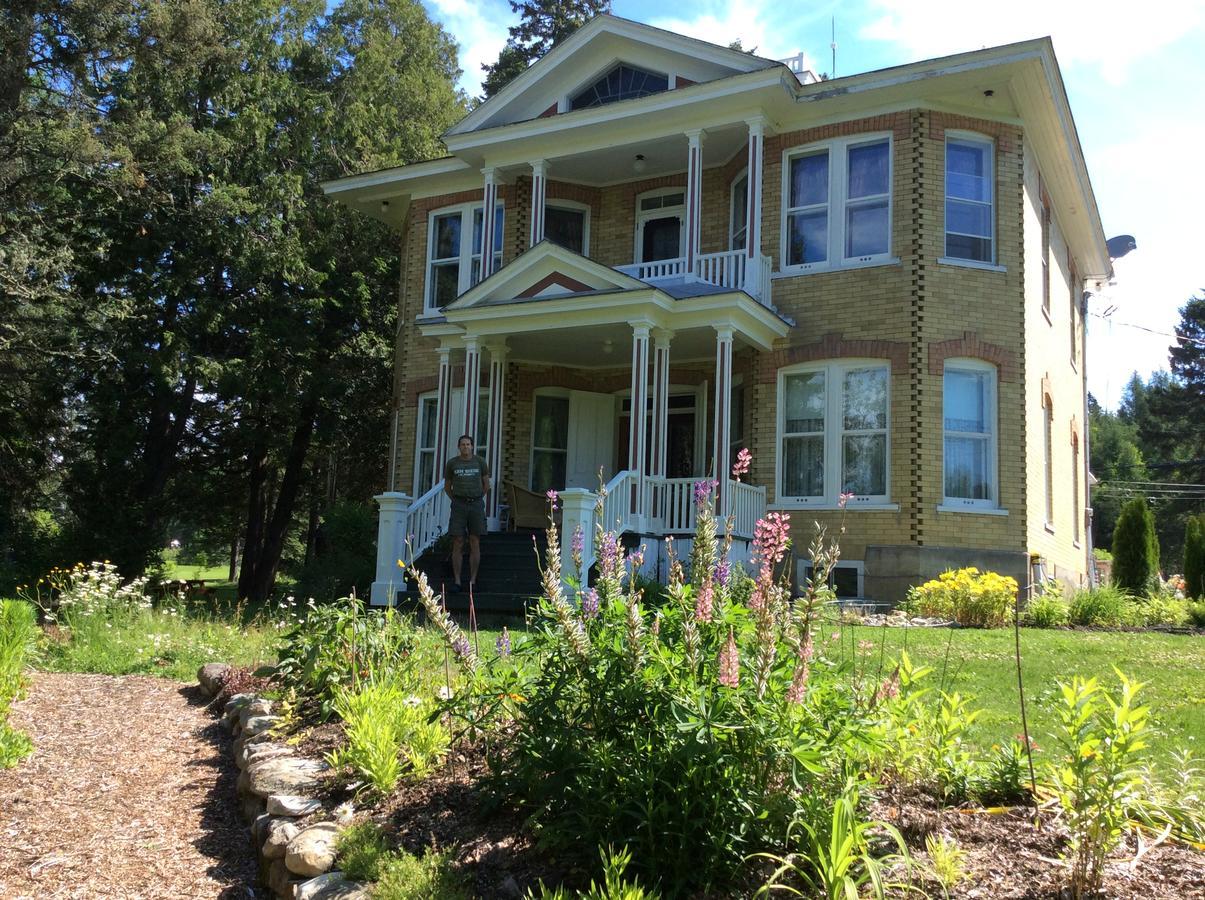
[[799, 679], [771, 537], [843, 499], [729, 673], [552, 497], [704, 602], [743, 460]]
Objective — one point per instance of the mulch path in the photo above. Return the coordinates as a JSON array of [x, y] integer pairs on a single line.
[[129, 794]]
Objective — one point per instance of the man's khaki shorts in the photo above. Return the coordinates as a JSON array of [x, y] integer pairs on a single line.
[[467, 517]]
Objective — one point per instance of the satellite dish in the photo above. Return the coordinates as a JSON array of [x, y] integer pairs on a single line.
[[1121, 245]]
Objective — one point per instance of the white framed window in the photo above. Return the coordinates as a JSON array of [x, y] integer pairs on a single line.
[[660, 225], [837, 204], [1048, 459], [1075, 508], [969, 450], [567, 223], [453, 263], [833, 432], [549, 441], [428, 469], [738, 219], [970, 198]]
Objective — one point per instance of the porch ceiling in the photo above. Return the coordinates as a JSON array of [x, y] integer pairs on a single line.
[[602, 346]]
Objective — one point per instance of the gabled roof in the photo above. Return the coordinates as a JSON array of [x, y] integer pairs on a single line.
[[591, 52]]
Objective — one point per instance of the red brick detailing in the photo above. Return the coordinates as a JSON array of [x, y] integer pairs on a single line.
[[680, 82], [1074, 432], [564, 190], [897, 123], [832, 346], [570, 284], [551, 111], [506, 194], [1047, 393], [426, 384], [969, 345], [1004, 134]]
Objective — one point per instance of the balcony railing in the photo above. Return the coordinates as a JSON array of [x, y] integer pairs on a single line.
[[729, 269]]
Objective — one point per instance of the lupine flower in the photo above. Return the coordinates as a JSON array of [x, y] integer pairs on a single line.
[[609, 556], [723, 571], [771, 537], [590, 604], [461, 647], [578, 543], [636, 558], [703, 491], [889, 689], [502, 645], [743, 460], [704, 601], [656, 629], [729, 673], [552, 497], [844, 499]]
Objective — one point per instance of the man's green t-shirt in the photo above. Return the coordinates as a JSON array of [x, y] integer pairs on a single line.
[[466, 476]]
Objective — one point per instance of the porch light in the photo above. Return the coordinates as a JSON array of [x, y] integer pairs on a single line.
[[638, 164]]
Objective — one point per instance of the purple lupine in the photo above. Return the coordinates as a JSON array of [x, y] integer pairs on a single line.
[[502, 645], [590, 604], [579, 540], [723, 571], [461, 647], [703, 491], [636, 558], [729, 673], [552, 497], [609, 556]]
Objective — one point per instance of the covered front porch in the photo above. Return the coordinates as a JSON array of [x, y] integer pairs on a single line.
[[580, 378]]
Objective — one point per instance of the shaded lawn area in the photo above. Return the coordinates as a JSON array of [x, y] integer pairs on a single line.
[[981, 663]]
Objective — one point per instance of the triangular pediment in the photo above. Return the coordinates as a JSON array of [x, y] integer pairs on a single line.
[[571, 69], [545, 271]]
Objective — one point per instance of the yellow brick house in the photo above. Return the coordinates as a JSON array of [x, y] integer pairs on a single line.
[[873, 282]]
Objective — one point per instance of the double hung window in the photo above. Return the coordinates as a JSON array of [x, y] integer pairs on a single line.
[[738, 230], [568, 226], [969, 426], [454, 263], [970, 219], [427, 469], [833, 427], [838, 204], [549, 442]]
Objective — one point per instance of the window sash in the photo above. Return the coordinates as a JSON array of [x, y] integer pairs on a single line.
[[969, 467], [970, 199], [834, 424], [451, 274]]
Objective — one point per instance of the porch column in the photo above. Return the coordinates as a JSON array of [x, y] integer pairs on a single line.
[[490, 200], [443, 412], [494, 432], [391, 546], [757, 129], [694, 198], [723, 410], [640, 393], [658, 462], [539, 191], [472, 385]]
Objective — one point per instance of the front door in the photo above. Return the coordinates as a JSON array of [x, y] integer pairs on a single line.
[[572, 436]]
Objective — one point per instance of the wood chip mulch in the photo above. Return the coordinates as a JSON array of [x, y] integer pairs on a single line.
[[128, 794]]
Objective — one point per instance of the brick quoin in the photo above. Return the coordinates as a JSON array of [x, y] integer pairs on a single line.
[[833, 346], [969, 345]]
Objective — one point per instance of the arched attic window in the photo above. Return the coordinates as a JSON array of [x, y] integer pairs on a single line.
[[623, 82]]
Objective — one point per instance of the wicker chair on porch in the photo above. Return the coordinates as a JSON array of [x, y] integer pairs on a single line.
[[527, 508]]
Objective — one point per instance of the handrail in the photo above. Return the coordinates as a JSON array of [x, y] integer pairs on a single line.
[[728, 268], [746, 504], [656, 269], [426, 519]]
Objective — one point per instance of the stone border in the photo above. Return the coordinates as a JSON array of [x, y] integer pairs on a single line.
[[293, 833]]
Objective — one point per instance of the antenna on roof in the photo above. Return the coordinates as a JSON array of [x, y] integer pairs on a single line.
[[833, 45]]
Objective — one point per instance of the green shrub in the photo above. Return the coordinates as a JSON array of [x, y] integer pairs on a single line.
[[1135, 548], [614, 886], [1194, 557], [344, 558], [361, 851], [18, 626], [967, 597], [1196, 614], [1162, 608], [404, 876], [1048, 608], [1108, 606]]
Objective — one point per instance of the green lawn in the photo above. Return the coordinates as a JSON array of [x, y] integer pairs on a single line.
[[981, 663], [173, 571]]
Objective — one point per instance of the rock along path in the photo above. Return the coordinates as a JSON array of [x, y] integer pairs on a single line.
[[128, 794]]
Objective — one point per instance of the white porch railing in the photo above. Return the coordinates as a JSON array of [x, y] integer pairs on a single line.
[[672, 507], [729, 269], [428, 519], [746, 504], [405, 529]]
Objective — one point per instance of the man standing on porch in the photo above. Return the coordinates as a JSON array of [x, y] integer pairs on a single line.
[[466, 481]]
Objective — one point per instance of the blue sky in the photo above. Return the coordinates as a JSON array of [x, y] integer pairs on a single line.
[[1135, 74]]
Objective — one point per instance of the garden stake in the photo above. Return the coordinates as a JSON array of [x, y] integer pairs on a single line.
[[447, 660], [473, 622], [1033, 781]]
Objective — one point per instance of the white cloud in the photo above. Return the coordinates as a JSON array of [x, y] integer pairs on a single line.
[[1110, 35], [752, 22], [480, 28]]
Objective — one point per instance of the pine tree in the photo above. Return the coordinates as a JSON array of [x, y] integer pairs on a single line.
[[542, 25], [1135, 548]]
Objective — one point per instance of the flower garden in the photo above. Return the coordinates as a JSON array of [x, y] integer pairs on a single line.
[[716, 738]]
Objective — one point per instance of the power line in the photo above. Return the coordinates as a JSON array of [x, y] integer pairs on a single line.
[[1171, 334]]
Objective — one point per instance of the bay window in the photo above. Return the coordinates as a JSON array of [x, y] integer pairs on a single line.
[[833, 433], [837, 202], [970, 216], [969, 434], [453, 263]]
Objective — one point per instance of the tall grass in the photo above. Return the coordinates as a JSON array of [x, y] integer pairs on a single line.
[[18, 626]]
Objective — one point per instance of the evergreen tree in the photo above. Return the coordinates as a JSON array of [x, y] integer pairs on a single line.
[[1194, 557], [1135, 550], [542, 25], [1114, 457]]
